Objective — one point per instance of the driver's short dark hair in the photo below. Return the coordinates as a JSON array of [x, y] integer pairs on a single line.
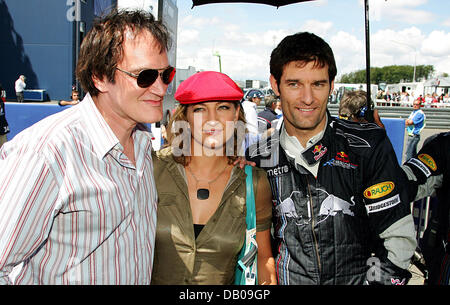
[[305, 47]]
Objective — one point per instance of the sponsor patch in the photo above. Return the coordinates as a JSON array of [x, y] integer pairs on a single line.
[[334, 162], [342, 156], [341, 160], [383, 205], [379, 190], [428, 161], [276, 171], [319, 151], [420, 166]]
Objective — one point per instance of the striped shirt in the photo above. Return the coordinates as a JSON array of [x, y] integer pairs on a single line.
[[73, 208]]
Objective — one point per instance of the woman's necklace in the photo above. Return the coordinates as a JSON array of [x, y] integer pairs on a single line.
[[203, 192]]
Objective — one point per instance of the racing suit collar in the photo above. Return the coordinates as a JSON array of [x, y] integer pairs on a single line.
[[301, 155], [317, 145]]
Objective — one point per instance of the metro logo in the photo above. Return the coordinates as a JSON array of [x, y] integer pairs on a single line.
[[379, 190], [428, 160]]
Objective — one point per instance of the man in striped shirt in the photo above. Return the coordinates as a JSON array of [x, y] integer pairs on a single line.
[[77, 194]]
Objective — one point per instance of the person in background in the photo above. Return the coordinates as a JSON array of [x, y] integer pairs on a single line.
[[19, 86], [341, 208], [202, 196], [278, 109], [249, 107], [81, 181], [251, 114], [353, 107], [268, 115], [4, 127], [414, 125], [429, 175], [75, 99]]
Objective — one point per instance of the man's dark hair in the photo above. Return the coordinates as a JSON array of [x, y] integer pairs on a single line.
[[305, 47], [102, 48]]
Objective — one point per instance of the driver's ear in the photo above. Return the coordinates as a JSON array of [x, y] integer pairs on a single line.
[[274, 85]]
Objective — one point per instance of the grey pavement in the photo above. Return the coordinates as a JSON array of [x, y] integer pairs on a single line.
[[423, 136]]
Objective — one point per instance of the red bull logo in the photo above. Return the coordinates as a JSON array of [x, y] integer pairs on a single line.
[[319, 151], [342, 156], [317, 148], [379, 190]]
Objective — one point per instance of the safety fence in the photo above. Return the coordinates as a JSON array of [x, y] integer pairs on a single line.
[[436, 118]]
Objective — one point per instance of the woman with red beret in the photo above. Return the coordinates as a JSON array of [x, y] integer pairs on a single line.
[[201, 222]]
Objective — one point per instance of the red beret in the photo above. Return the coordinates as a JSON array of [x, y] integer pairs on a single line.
[[208, 86]]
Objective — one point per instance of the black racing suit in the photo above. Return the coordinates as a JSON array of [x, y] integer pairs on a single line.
[[327, 227], [431, 170]]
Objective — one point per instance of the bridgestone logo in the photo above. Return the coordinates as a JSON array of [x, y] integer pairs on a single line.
[[420, 166], [383, 205]]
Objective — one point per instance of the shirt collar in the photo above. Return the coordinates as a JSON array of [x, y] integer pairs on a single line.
[[101, 135], [291, 144]]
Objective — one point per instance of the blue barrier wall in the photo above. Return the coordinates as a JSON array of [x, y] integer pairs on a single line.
[[395, 129], [21, 116]]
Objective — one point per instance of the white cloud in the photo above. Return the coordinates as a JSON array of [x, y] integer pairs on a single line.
[[198, 22], [320, 3], [231, 28], [317, 27], [187, 36], [395, 43], [349, 52], [273, 37], [437, 44], [389, 47], [399, 10]]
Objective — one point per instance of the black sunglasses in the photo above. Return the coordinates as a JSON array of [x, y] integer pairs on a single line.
[[147, 77]]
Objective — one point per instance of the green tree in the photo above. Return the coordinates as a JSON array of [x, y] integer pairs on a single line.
[[388, 74]]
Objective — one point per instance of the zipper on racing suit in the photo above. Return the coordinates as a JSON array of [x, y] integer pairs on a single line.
[[313, 222]]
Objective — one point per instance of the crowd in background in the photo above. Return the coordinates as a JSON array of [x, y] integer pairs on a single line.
[[406, 99]]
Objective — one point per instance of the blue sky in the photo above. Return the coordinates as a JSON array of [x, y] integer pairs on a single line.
[[402, 32]]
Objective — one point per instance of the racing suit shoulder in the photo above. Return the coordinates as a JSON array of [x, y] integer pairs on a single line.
[[427, 168], [361, 137]]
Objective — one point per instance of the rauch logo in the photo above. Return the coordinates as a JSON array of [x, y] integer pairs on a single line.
[[379, 190], [428, 160]]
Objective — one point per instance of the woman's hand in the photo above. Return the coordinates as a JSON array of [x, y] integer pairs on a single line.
[[243, 162]]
